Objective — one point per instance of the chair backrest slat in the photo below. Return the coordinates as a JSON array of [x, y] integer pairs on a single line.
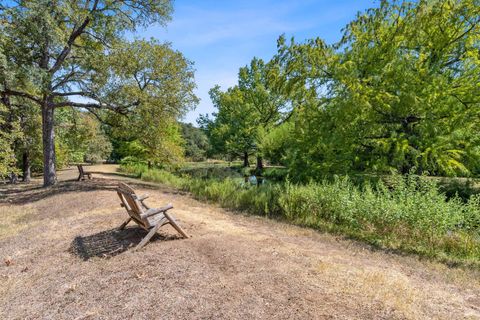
[[129, 199]]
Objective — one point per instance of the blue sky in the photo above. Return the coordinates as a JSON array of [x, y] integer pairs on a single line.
[[222, 36]]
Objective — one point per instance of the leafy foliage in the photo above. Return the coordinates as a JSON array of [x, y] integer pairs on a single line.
[[160, 79], [246, 112], [396, 93], [80, 138], [196, 142], [74, 54], [7, 137]]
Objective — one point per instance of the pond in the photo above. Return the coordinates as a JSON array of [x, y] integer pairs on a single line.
[[254, 180]]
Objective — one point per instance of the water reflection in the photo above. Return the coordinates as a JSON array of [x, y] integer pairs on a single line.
[[254, 180]]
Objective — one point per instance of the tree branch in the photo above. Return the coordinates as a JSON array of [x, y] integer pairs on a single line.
[[73, 36], [72, 93], [123, 110], [21, 94]]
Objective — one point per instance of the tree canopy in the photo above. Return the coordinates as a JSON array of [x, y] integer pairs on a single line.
[[399, 92], [55, 54], [246, 112], [160, 80]]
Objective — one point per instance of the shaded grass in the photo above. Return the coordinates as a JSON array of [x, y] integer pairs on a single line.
[[411, 214]]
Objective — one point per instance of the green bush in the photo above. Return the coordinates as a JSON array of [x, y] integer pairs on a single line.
[[233, 194], [275, 174], [413, 216], [165, 177], [131, 166]]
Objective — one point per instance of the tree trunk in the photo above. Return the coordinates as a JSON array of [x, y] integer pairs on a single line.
[[26, 167], [13, 178], [245, 160], [259, 163], [48, 136]]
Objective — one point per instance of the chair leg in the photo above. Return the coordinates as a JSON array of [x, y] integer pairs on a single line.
[[124, 224], [149, 235], [174, 224]]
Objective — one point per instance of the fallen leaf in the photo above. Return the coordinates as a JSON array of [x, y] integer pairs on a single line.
[[8, 261]]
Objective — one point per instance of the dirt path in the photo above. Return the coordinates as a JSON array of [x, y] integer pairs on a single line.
[[63, 259]]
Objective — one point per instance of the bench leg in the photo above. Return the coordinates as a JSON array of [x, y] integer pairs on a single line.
[[79, 177], [124, 224], [174, 224], [150, 234]]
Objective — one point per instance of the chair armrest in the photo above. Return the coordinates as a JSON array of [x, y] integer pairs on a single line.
[[143, 197], [154, 211], [144, 205]]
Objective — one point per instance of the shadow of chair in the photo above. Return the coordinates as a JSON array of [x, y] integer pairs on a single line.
[[111, 242]]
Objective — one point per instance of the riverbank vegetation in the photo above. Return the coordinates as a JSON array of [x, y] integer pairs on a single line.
[[408, 213]]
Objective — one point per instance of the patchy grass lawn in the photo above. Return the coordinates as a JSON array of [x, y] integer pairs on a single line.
[[62, 258]]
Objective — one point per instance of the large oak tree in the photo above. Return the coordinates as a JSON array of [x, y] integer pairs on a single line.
[[53, 50]]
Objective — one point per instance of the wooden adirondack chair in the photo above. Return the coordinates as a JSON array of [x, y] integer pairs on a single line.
[[82, 173], [150, 219]]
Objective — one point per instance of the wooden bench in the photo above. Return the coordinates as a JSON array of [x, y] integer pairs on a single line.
[[150, 219], [82, 173]]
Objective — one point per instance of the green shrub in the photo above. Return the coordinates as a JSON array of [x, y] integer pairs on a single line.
[[275, 174], [412, 216], [133, 168], [165, 177]]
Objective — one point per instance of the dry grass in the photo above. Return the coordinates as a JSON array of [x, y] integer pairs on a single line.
[[67, 261], [14, 219]]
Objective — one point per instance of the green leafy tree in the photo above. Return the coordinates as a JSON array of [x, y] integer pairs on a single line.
[[8, 125], [231, 132], [246, 113], [267, 108], [28, 146], [397, 93], [161, 81], [55, 48], [80, 138], [9, 131], [196, 142], [276, 144]]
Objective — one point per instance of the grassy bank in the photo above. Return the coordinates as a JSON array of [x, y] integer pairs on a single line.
[[412, 216]]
